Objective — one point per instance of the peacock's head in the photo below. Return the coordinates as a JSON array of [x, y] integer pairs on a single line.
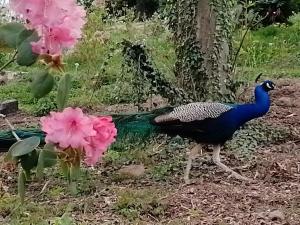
[[268, 85]]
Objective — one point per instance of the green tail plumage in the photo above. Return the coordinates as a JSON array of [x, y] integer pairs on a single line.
[[130, 126], [137, 125], [7, 139]]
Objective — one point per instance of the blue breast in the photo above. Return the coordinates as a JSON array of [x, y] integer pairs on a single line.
[[221, 129]]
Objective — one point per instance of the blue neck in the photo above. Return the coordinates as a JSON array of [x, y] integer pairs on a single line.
[[247, 112]]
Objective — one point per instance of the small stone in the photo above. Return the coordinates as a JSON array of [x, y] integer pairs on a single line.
[[276, 214], [285, 101], [132, 170], [9, 106], [107, 200]]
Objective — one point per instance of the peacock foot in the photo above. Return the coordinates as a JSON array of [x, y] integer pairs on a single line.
[[217, 161], [187, 181], [239, 177]]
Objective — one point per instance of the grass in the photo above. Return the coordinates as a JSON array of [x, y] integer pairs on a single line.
[[33, 212], [132, 203], [18, 90], [102, 40], [97, 68], [272, 50]]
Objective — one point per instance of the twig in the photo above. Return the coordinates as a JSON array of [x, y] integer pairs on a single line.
[[10, 61], [12, 129], [44, 187]]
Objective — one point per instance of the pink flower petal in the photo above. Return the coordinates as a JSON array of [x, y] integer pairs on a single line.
[[98, 144], [58, 23], [69, 128]]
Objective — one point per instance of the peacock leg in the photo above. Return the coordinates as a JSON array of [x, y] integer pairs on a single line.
[[192, 155], [217, 161]]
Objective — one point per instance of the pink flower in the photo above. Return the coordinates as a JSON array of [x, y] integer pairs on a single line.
[[57, 22], [98, 144], [53, 40], [69, 128], [31, 10], [72, 129]]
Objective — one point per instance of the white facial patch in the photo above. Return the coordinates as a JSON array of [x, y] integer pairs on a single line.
[[268, 85]]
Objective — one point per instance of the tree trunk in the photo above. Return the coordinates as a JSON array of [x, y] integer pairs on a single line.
[[203, 34]]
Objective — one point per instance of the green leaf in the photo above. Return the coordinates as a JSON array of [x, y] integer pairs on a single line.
[[73, 188], [47, 158], [40, 164], [63, 90], [25, 34], [25, 56], [29, 161], [21, 185], [42, 84], [50, 158], [9, 34], [27, 174], [25, 146], [75, 172], [50, 147], [65, 169], [9, 158]]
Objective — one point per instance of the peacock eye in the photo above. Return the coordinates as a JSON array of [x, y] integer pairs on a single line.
[[268, 85]]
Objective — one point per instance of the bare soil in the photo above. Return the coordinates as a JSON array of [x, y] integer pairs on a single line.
[[213, 198]]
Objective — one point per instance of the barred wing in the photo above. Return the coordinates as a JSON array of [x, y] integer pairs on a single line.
[[193, 112]]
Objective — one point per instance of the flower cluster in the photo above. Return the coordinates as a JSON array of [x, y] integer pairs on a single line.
[[58, 23], [73, 129]]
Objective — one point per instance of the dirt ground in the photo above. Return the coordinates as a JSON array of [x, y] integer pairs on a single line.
[[213, 198]]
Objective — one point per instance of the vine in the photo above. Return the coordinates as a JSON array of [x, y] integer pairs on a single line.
[[139, 63], [188, 67], [221, 86], [204, 75]]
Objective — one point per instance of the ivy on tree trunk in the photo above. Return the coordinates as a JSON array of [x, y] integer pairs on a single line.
[[203, 32]]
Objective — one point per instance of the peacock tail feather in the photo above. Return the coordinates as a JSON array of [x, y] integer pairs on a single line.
[[137, 126], [7, 139]]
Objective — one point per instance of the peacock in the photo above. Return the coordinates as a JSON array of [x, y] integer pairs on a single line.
[[203, 122]]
